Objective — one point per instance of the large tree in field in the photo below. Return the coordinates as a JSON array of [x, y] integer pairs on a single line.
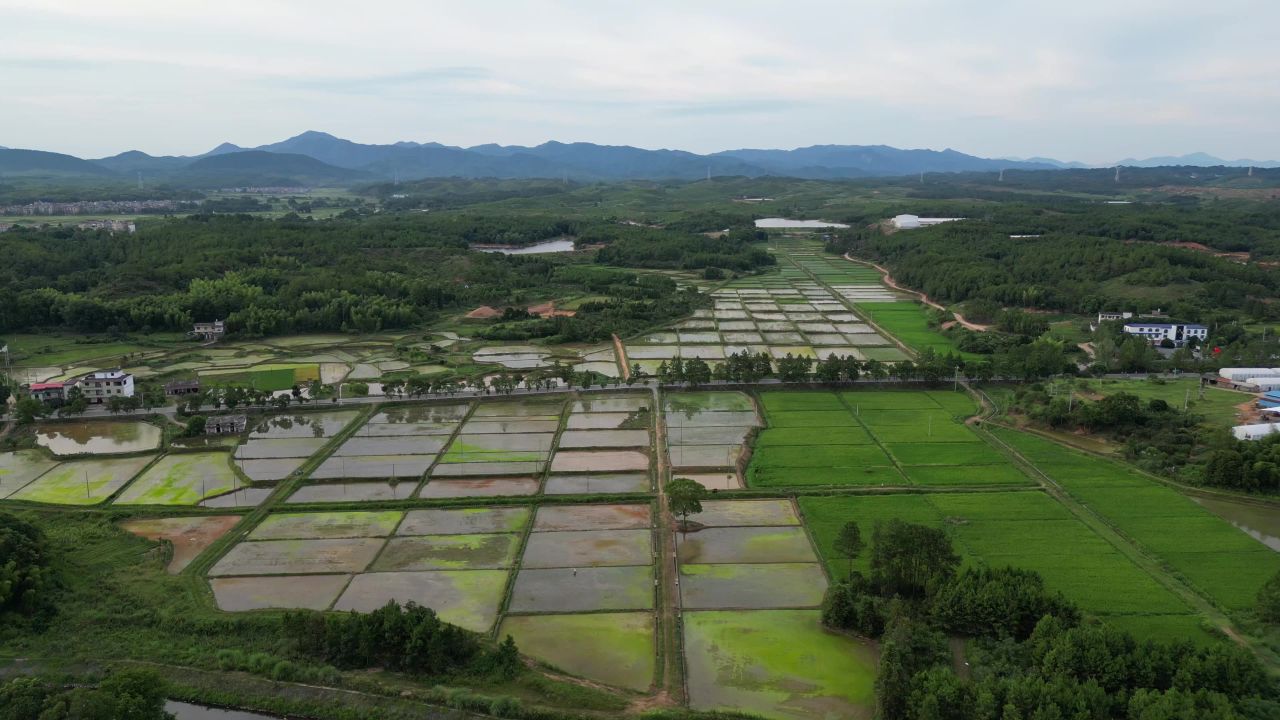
[[848, 543], [684, 498], [907, 559]]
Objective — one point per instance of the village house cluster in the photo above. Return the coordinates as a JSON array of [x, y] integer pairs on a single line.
[[96, 387]]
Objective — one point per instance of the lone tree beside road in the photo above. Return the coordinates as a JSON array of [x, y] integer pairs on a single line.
[[684, 498]]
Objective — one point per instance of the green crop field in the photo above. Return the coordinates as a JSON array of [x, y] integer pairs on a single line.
[[1222, 562], [1218, 406], [908, 322], [1026, 529]]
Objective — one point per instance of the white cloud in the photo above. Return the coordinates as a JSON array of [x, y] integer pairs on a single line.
[[1092, 79]]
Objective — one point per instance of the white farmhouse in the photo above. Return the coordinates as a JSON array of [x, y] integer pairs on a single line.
[[1177, 333], [99, 387]]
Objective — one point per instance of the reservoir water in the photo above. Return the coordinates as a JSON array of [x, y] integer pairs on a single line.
[[782, 223], [1260, 522], [190, 711], [559, 245]]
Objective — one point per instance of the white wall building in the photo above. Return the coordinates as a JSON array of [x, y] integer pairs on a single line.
[[99, 387], [1264, 384], [1256, 431], [1178, 333], [1243, 374], [910, 222]]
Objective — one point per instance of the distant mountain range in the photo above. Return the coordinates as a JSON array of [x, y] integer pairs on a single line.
[[317, 158]]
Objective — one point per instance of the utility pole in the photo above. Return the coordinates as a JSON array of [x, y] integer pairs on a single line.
[[1186, 400]]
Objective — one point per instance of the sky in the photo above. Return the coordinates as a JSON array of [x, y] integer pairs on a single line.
[[1088, 80]]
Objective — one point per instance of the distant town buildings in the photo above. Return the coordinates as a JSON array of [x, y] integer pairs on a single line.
[[209, 331], [112, 225], [911, 222], [1177, 333], [98, 207], [271, 190]]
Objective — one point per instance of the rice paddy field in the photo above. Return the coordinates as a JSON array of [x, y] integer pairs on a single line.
[[794, 312], [874, 438], [538, 517]]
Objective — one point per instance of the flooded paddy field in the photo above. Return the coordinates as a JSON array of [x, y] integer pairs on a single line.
[[269, 469], [779, 663], [448, 552], [465, 521], [289, 592], [479, 487], [239, 498], [305, 526], [599, 461], [707, 431], [182, 479], [587, 439], [298, 557], [591, 517], [746, 545], [409, 468], [752, 586], [98, 438], [467, 598], [354, 491], [84, 482], [613, 648], [588, 548], [583, 589], [589, 483], [790, 313], [324, 424]]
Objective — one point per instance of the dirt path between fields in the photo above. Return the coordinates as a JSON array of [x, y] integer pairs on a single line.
[[623, 363], [887, 279], [672, 691]]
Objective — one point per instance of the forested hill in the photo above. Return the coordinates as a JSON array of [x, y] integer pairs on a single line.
[[1093, 257], [347, 273]]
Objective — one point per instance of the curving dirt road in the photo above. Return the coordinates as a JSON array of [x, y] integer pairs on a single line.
[[887, 279]]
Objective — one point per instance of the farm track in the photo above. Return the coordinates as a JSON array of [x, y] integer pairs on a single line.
[[673, 689], [849, 306], [1131, 550], [887, 279]]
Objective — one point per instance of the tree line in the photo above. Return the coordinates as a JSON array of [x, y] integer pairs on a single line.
[[1034, 654]]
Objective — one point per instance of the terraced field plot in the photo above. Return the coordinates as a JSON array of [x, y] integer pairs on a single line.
[[278, 445], [21, 467], [779, 663], [706, 432], [1218, 559], [777, 315], [870, 437], [456, 561], [182, 479], [86, 482], [621, 651], [580, 561]]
